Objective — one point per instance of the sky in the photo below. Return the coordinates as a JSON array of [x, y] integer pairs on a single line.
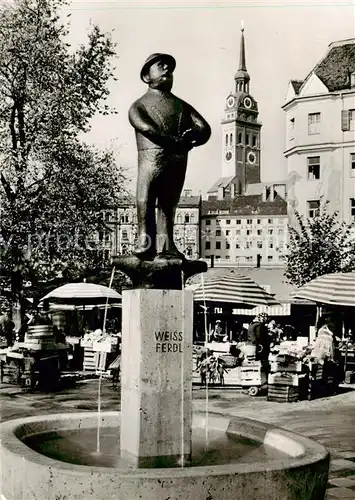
[[284, 40]]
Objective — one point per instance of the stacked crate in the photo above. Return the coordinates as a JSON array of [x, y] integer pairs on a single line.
[[286, 382], [287, 387], [10, 372], [322, 379], [39, 337]]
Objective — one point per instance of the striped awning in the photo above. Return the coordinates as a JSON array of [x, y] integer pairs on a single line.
[[82, 293], [333, 289], [237, 289]]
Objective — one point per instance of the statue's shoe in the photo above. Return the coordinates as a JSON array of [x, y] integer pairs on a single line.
[[171, 254], [144, 254]]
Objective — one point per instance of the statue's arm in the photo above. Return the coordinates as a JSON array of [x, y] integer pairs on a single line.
[[143, 123], [200, 130]]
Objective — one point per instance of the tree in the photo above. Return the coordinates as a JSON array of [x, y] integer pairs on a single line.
[[53, 185], [319, 245]]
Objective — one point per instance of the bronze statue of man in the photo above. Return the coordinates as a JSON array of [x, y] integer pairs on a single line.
[[167, 128]]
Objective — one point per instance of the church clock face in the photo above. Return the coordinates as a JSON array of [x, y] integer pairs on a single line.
[[229, 155], [230, 101], [251, 157], [247, 102]]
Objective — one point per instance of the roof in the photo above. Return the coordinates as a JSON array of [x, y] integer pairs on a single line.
[[273, 278], [257, 188], [296, 84], [188, 201], [335, 69], [221, 182], [246, 205], [185, 201]]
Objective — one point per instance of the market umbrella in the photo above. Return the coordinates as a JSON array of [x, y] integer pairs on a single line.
[[235, 289], [82, 293], [337, 289]]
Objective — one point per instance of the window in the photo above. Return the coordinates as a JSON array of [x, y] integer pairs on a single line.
[[187, 218], [270, 221], [227, 232], [352, 208], [281, 232], [258, 221], [313, 208], [227, 245], [228, 221], [237, 245], [313, 164], [270, 257], [239, 221], [249, 221], [192, 218], [352, 79], [248, 259], [313, 123], [259, 232], [208, 222], [352, 119], [254, 141], [271, 244], [292, 128], [270, 231], [239, 154], [237, 232], [218, 245], [259, 244], [231, 139], [218, 232], [124, 234], [352, 164], [240, 138], [247, 244], [247, 139], [248, 232], [226, 139], [208, 245], [218, 222]]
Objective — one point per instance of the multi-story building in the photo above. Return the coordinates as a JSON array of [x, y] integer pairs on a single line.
[[244, 221], [320, 142], [121, 235]]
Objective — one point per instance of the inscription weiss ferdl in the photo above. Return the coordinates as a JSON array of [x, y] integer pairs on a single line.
[[168, 341]]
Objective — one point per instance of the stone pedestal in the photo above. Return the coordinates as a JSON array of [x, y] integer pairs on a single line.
[[156, 364]]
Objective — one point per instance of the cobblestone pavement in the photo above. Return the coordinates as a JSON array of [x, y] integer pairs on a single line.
[[330, 421]]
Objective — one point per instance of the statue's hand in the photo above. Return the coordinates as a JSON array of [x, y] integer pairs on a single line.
[[188, 138]]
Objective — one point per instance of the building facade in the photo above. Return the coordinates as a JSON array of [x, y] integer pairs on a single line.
[[121, 234], [320, 135], [245, 231], [244, 221]]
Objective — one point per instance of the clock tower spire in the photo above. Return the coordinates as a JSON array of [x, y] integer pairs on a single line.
[[241, 131], [242, 77]]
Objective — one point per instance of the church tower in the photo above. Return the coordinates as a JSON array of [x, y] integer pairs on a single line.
[[241, 131]]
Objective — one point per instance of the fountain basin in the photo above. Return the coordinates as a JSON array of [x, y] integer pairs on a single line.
[[298, 468]]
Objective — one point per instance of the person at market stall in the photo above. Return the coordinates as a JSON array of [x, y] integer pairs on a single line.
[[7, 327], [258, 335]]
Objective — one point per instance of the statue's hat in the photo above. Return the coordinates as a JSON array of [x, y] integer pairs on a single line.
[[154, 58]]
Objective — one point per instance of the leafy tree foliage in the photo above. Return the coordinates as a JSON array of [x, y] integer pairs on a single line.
[[53, 185], [319, 245]]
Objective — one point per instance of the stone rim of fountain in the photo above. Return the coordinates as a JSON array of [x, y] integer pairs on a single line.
[[301, 450]]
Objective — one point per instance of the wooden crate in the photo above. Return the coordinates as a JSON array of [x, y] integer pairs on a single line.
[[283, 393]]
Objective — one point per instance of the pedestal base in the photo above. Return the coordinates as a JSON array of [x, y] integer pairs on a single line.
[[156, 371], [161, 273]]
